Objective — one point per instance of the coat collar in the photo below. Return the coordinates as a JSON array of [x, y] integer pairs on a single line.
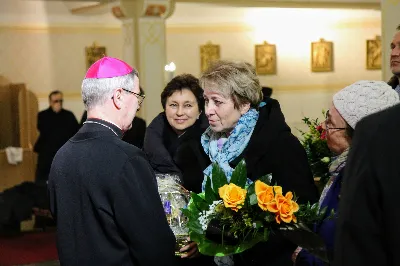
[[102, 125]]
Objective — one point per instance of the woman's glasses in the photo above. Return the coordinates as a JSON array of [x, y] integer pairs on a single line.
[[328, 121]]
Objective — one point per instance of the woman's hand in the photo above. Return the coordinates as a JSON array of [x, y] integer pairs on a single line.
[[191, 250], [295, 253]]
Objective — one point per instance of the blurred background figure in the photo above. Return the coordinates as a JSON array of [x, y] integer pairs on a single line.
[[267, 91], [56, 125]]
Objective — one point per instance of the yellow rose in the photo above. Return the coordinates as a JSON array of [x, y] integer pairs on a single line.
[[265, 194], [233, 196], [284, 208]]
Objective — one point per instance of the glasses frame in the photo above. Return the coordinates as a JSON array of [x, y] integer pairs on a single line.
[[327, 126], [140, 97]]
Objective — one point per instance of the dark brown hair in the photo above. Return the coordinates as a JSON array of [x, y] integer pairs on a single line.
[[54, 93], [183, 81]]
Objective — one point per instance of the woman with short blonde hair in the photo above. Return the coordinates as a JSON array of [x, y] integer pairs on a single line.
[[246, 125]]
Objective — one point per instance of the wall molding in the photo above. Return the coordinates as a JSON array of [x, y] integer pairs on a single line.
[[178, 28], [291, 4], [62, 28], [243, 27]]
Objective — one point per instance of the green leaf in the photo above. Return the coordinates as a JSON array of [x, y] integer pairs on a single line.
[[200, 203], [266, 234], [239, 175], [258, 224], [218, 178], [209, 196], [253, 199], [187, 213], [195, 226]]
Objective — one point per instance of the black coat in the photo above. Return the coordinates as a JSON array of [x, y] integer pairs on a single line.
[[274, 149], [103, 195], [16, 203], [184, 155], [135, 135], [368, 231], [55, 129]]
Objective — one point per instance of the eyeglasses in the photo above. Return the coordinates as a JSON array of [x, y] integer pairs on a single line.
[[139, 96], [326, 122], [58, 101]]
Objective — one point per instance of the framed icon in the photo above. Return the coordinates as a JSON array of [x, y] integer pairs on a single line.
[[265, 57], [208, 53], [94, 53], [374, 53], [322, 56]]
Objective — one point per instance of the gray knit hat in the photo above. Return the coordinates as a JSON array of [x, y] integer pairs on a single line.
[[363, 98]]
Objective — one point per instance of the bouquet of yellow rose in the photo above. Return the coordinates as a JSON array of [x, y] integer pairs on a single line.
[[230, 217]]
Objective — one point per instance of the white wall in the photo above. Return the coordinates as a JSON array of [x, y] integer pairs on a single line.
[[43, 45], [300, 91], [45, 49]]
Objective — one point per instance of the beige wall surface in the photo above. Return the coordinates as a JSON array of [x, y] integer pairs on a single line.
[[47, 59], [300, 91], [51, 56]]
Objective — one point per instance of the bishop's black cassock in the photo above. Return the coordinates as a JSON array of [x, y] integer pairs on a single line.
[[103, 195]]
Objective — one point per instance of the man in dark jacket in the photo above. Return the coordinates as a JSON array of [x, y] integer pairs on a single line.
[[395, 61], [56, 125], [103, 192], [368, 230]]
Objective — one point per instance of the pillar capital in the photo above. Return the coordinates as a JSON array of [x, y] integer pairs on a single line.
[[143, 29]]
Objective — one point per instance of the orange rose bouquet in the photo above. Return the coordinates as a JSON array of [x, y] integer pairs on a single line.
[[230, 217]]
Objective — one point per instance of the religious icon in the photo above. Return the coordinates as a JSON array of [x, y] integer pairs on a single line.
[[265, 59], [208, 54], [94, 53], [322, 56], [374, 53]]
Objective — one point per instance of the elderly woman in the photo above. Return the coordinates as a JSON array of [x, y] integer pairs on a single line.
[[349, 106], [246, 125]]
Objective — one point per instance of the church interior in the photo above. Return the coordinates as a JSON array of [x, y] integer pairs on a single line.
[[48, 45]]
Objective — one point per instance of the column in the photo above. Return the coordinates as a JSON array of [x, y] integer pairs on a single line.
[[143, 25], [390, 21]]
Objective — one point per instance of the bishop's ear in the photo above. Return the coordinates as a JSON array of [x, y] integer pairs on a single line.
[[117, 98]]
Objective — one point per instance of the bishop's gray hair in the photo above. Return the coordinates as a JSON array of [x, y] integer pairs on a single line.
[[95, 92]]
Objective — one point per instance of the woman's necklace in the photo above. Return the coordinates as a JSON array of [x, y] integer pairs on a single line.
[[94, 122]]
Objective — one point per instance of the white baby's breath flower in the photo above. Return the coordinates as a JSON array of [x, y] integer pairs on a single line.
[[205, 216]]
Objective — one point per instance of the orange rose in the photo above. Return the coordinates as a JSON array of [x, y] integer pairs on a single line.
[[233, 196], [284, 208], [265, 194]]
